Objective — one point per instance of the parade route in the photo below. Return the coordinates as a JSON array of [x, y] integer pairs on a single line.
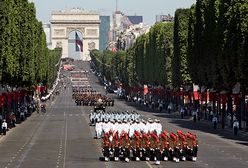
[[62, 138]]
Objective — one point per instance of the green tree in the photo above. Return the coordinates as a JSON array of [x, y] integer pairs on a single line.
[[180, 74]]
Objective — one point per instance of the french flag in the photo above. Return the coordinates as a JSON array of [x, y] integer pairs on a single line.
[[78, 43]]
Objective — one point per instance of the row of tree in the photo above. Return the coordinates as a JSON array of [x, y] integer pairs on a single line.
[[217, 51], [217, 43], [148, 61], [24, 57], [206, 45]]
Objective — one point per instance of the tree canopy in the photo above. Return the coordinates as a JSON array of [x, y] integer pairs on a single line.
[[24, 57]]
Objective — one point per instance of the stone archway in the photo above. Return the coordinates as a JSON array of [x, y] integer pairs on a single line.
[[86, 22]]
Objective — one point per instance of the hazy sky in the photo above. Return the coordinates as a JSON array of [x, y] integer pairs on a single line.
[[147, 8]]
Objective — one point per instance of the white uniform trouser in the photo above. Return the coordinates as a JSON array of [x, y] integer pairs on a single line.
[[98, 133]]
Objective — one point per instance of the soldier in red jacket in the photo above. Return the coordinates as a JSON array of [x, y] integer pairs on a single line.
[[164, 145], [136, 145], [106, 146], [125, 145]]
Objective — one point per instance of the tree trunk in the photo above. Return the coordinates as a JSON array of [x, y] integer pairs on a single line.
[[243, 115]]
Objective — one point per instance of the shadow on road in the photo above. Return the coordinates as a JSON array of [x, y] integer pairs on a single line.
[[187, 123]]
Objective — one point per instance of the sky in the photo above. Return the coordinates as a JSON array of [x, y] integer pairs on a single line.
[[147, 8]]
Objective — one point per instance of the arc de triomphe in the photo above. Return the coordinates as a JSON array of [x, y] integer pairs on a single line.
[[86, 22]]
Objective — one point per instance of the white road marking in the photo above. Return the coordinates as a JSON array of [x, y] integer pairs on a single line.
[[148, 164], [66, 127]]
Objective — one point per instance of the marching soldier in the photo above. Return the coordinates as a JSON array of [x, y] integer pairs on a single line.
[[155, 147], [125, 146], [115, 146], [136, 146], [98, 129], [174, 148], [192, 146], [182, 142], [145, 146], [106, 146], [158, 126], [164, 145]]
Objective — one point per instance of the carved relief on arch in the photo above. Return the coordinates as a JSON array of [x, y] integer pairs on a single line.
[[91, 45], [59, 32], [59, 44], [91, 32], [70, 29]]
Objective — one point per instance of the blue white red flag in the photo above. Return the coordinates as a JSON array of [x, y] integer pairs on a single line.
[[78, 43]]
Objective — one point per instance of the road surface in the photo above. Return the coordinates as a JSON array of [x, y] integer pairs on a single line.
[[62, 138]]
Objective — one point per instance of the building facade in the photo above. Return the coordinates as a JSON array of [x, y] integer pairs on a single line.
[[104, 32], [164, 18], [135, 19]]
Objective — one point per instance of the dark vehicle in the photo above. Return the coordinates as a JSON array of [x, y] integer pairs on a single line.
[[110, 89], [99, 105]]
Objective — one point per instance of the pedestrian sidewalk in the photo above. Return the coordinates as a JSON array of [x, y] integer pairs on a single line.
[[207, 126], [187, 122]]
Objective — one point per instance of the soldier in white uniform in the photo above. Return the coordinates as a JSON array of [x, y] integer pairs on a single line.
[[153, 126], [145, 128], [158, 127], [126, 126], [98, 129], [119, 127], [138, 126], [92, 117], [142, 126], [149, 125], [106, 127], [131, 130]]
